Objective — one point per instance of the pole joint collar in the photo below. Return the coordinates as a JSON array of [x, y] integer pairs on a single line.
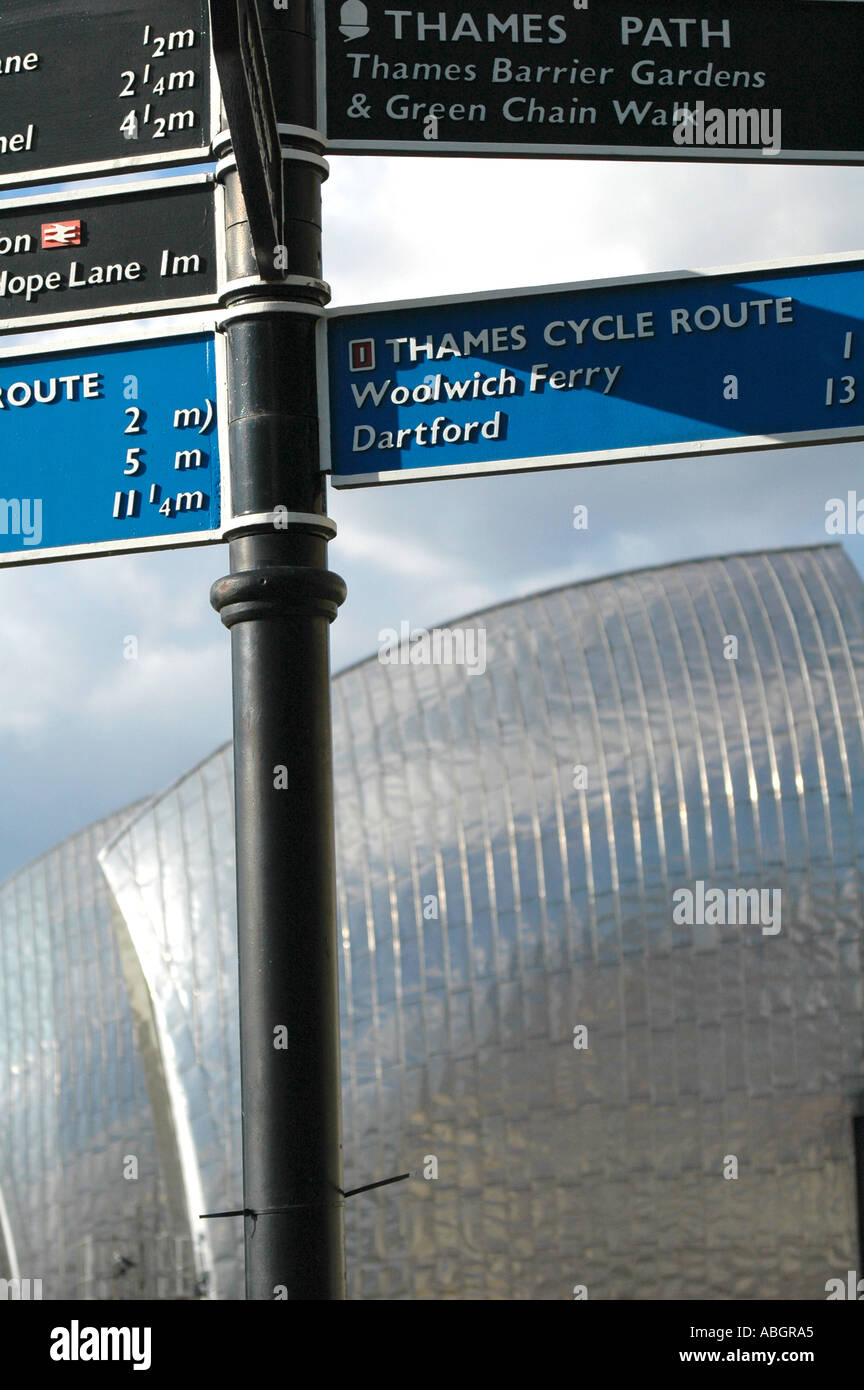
[[280, 591]]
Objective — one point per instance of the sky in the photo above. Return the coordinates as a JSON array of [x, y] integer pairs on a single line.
[[84, 731]]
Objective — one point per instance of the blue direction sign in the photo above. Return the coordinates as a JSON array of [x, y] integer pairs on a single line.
[[757, 357], [110, 447]]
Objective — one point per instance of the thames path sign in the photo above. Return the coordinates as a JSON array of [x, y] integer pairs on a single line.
[[99, 86], [112, 445], [139, 248], [603, 78], [665, 365]]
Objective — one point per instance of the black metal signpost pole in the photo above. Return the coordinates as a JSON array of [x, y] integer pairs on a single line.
[[278, 602]]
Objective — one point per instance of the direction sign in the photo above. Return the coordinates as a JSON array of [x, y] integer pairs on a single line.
[[136, 248], [113, 445], [755, 357], [608, 79], [95, 86], [245, 82]]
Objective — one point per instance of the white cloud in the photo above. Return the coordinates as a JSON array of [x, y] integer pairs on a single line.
[[387, 553], [166, 680]]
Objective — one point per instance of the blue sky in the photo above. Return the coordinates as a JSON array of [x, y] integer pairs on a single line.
[[84, 732]]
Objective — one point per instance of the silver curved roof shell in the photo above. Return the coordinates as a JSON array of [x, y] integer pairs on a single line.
[[511, 844]]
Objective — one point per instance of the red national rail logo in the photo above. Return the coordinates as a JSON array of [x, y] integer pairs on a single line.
[[61, 234]]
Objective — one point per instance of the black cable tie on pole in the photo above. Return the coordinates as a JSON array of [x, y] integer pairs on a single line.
[[385, 1182], [241, 1211], [298, 1206], [268, 1211]]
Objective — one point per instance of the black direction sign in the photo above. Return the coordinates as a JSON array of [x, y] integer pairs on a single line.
[[739, 80], [245, 82], [90, 86], [139, 248]]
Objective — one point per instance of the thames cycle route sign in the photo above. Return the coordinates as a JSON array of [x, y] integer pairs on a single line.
[[100, 86], [754, 357], [602, 78], [113, 444]]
